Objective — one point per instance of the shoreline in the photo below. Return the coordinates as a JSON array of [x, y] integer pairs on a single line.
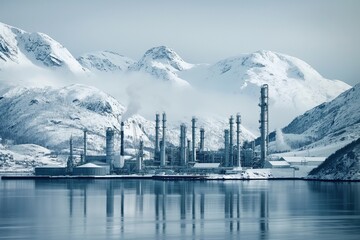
[[167, 178]]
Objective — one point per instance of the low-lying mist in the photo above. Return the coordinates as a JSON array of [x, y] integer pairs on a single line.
[[145, 95]]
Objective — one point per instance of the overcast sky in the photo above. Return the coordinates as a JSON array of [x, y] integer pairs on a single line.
[[324, 33]]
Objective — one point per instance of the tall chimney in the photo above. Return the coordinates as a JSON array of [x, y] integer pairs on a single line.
[[157, 129], [231, 146], [238, 149], [110, 147], [226, 149], [122, 146], [139, 159], [202, 139], [264, 123], [70, 161], [183, 145], [193, 152], [85, 146], [163, 150], [188, 149]]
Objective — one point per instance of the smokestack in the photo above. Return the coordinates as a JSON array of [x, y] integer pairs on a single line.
[[110, 147], [226, 149], [188, 150], [238, 149], [264, 123], [193, 153], [163, 150], [202, 139], [182, 145], [85, 146], [231, 146], [122, 146], [157, 128], [139, 159], [70, 161]]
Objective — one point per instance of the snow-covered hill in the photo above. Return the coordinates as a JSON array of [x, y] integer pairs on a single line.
[[48, 117], [226, 87], [292, 82], [344, 164], [330, 125], [105, 61], [163, 63], [294, 86], [20, 49]]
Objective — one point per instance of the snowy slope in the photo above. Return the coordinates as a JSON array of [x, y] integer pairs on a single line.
[[20, 49], [344, 164], [294, 86], [327, 127], [23, 157], [48, 117], [337, 120], [163, 63], [105, 61]]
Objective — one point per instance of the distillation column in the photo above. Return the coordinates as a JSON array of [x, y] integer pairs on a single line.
[[183, 145], [231, 144], [122, 146], [139, 159], [85, 146], [238, 148], [264, 123], [193, 153], [110, 147], [226, 149], [202, 139], [163, 145], [157, 129]]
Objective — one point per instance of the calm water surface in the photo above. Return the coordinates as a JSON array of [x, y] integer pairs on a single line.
[[148, 209]]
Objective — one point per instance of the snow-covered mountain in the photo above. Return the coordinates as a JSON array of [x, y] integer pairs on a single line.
[[48, 117], [344, 164], [105, 61], [20, 49], [294, 86], [163, 63], [330, 125]]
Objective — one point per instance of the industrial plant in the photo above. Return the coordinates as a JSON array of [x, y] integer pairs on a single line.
[[188, 158]]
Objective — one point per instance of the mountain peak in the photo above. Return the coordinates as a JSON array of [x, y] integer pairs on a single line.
[[165, 56], [20, 47]]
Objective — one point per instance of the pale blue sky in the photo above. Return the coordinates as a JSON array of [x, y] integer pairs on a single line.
[[324, 33]]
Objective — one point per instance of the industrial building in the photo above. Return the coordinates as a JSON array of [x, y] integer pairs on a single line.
[[188, 157]]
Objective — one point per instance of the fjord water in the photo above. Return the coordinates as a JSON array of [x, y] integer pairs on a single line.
[[149, 209]]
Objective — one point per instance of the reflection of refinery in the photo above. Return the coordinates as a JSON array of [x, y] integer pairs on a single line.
[[189, 157]]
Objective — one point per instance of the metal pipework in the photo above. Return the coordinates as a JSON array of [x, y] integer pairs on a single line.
[[157, 129], [202, 139], [110, 147], [264, 123], [182, 145], [193, 153], [231, 144], [238, 148], [163, 149], [226, 149]]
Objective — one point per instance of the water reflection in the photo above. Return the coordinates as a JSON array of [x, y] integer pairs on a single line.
[[181, 209]]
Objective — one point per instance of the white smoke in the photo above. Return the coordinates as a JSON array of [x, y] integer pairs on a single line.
[[134, 104], [281, 145]]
